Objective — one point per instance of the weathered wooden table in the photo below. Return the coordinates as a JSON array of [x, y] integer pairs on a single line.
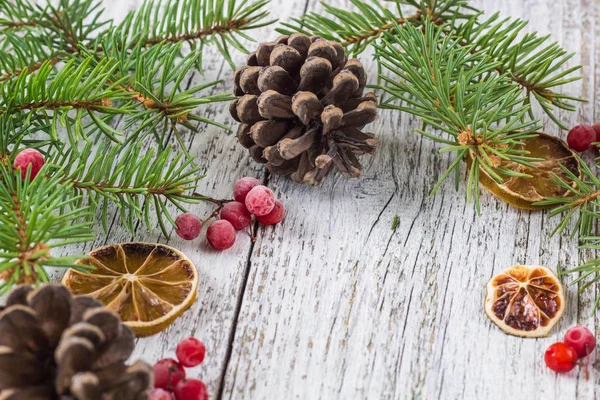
[[333, 303]]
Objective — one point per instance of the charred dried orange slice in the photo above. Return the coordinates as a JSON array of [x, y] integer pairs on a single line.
[[148, 285], [523, 192], [525, 301]]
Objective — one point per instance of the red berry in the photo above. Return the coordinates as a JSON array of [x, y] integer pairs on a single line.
[[167, 373], [597, 130], [275, 216], [26, 158], [560, 357], [236, 213], [260, 200], [190, 352], [221, 234], [191, 389], [188, 226], [581, 138], [160, 394], [581, 340], [242, 187]]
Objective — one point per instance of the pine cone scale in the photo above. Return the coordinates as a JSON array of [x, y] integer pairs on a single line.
[[92, 344], [302, 108]]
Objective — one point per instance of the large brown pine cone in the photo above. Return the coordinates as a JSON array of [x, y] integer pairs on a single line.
[[302, 109], [54, 345]]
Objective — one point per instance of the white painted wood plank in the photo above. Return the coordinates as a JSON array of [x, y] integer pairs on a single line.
[[339, 306], [336, 305]]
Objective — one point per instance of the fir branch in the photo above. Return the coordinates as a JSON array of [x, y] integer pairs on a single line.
[[199, 22], [459, 92], [356, 30], [529, 63], [31, 225], [18, 14], [26, 53], [138, 181], [589, 272], [581, 202], [44, 99]]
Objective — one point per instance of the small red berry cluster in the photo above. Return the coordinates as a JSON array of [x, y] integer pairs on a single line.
[[29, 159], [251, 198], [170, 381], [578, 344], [582, 137]]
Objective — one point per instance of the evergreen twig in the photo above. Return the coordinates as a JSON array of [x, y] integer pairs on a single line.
[[526, 60], [64, 67]]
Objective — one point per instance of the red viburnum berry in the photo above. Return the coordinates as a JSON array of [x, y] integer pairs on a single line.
[[191, 389], [190, 352], [581, 137], [260, 200], [560, 357], [242, 187], [221, 235], [167, 373], [237, 214], [160, 394], [581, 340], [29, 158], [597, 130], [188, 226], [275, 216]]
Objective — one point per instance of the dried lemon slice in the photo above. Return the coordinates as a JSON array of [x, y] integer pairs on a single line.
[[525, 301], [524, 192], [148, 285]]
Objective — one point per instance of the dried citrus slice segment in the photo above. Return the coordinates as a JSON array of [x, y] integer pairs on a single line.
[[148, 285], [525, 301], [523, 192]]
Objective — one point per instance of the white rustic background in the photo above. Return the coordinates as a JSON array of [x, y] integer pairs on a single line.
[[332, 303]]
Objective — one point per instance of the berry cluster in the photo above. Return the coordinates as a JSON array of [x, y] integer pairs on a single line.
[[582, 137], [29, 159], [170, 381], [578, 344], [251, 198]]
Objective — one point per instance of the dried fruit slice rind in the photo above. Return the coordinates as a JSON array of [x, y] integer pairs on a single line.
[[522, 192], [148, 285], [525, 300]]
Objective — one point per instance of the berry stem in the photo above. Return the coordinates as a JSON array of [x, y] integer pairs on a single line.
[[218, 202]]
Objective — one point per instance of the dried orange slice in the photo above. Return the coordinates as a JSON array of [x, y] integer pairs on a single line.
[[525, 301], [148, 285], [522, 192]]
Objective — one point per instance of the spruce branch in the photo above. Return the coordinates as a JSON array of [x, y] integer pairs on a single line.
[[25, 53], [528, 61], [198, 22], [63, 67], [371, 20], [581, 202], [459, 92], [137, 180], [588, 272], [32, 224], [18, 14]]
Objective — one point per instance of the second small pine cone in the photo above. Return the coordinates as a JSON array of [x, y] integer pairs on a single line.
[[301, 108]]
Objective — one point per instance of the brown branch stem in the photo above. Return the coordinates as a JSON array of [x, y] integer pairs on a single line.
[[88, 105], [380, 29], [232, 25]]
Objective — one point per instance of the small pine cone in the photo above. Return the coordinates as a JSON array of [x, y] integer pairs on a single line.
[[302, 109], [55, 346]]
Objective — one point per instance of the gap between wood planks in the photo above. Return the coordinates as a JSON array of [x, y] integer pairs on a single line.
[[240, 299]]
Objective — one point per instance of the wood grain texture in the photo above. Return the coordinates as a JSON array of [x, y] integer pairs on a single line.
[[333, 304]]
